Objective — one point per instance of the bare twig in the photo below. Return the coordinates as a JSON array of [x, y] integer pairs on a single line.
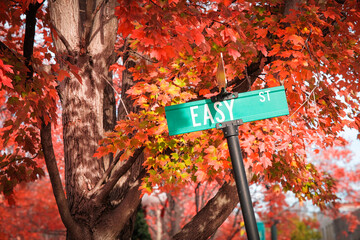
[[306, 100], [118, 94], [142, 56], [306, 42], [247, 77]]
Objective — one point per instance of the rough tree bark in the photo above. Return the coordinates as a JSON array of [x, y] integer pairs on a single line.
[[86, 34]]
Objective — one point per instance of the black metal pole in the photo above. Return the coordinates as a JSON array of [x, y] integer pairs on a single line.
[[274, 231], [231, 133]]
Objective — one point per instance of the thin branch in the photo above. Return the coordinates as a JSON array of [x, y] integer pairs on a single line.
[[306, 100], [16, 160], [115, 219], [155, 4], [248, 78], [106, 174], [98, 8], [62, 38], [234, 233], [152, 229], [142, 56], [118, 94], [5, 49], [236, 216], [197, 197], [306, 42], [222, 23], [63, 207], [108, 186]]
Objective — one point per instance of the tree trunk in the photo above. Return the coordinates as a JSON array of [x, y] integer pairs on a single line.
[[86, 34]]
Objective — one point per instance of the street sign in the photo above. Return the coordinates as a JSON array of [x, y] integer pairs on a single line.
[[205, 114], [261, 229]]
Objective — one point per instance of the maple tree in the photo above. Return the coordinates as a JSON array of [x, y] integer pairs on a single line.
[[111, 66], [167, 213], [34, 216], [296, 228]]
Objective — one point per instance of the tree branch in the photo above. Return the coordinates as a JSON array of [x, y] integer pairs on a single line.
[[197, 197], [251, 73], [116, 219], [210, 217], [106, 174], [62, 38], [5, 164], [45, 131], [114, 178], [62, 204], [6, 51], [28, 47], [97, 9]]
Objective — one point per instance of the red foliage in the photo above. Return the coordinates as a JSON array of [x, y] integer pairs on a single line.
[[313, 52], [34, 216]]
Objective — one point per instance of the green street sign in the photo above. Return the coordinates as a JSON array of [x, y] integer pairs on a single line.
[[261, 229], [205, 114]]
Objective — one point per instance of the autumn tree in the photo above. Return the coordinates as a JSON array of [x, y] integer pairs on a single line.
[[167, 213], [79, 53], [305, 229], [34, 216]]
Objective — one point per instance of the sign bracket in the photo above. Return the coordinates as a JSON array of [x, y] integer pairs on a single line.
[[231, 134], [223, 95]]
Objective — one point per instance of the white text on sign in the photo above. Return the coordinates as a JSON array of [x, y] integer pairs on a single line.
[[262, 97], [198, 121]]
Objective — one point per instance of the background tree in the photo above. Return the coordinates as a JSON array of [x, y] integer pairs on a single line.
[[169, 52], [167, 213], [34, 216], [141, 228], [305, 230]]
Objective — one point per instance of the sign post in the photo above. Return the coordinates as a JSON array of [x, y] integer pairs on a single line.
[[231, 134], [228, 113]]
